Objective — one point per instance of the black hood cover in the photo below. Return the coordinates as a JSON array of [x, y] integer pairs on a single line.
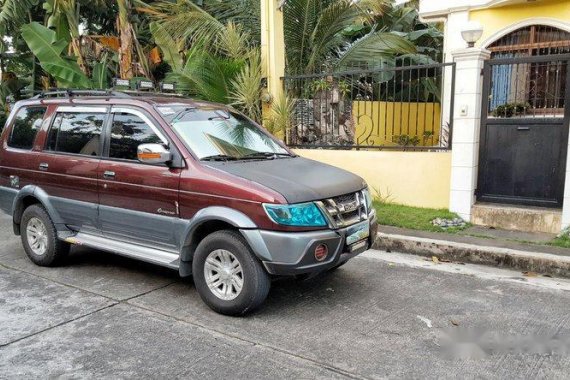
[[297, 179]]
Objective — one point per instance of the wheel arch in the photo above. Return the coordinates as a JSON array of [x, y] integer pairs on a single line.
[[28, 196], [206, 222]]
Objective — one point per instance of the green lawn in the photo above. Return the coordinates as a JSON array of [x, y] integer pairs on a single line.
[[416, 218], [562, 241]]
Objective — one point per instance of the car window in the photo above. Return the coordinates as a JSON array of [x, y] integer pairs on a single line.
[[127, 133], [27, 123], [211, 132], [77, 133]]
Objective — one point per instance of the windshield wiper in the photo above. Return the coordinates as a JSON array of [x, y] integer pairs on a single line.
[[219, 157], [180, 114], [220, 114], [269, 155]]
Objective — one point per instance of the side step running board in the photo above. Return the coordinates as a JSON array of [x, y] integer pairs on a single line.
[[151, 255]]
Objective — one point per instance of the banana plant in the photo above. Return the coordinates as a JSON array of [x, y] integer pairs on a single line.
[[50, 52], [170, 48], [130, 49], [13, 14]]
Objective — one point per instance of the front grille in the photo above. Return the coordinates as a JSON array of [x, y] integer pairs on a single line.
[[345, 210]]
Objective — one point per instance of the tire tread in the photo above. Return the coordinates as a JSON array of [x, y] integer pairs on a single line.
[[262, 284], [57, 250]]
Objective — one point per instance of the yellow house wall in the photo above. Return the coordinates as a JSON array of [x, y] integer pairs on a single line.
[[496, 19], [379, 123], [419, 179]]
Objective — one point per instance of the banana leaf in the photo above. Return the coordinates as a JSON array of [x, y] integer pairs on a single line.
[[100, 74], [49, 51], [168, 46]]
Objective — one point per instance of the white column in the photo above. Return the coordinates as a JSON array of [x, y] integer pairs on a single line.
[[466, 127]]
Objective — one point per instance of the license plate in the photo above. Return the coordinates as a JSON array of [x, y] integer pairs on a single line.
[[356, 246], [357, 232]]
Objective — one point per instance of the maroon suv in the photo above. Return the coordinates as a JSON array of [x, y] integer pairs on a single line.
[[189, 185]]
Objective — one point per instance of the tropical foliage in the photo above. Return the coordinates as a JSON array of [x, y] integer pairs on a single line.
[[210, 48]]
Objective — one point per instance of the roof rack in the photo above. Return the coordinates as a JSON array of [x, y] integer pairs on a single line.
[[69, 93]]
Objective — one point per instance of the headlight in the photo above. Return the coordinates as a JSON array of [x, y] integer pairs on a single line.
[[368, 198], [301, 215]]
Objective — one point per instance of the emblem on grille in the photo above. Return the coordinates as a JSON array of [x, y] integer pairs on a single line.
[[345, 210], [348, 207]]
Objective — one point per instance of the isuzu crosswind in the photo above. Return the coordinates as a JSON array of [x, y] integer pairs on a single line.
[[189, 185]]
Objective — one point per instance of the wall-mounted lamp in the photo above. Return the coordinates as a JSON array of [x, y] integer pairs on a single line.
[[471, 33]]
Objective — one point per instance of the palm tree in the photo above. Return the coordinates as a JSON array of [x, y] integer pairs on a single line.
[[315, 34], [313, 28], [223, 66]]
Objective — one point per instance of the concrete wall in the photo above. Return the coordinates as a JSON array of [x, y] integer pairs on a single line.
[[412, 178]]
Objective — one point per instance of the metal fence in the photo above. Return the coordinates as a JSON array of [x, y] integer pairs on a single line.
[[526, 86], [391, 108]]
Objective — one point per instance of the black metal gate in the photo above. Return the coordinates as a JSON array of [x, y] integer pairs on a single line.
[[524, 130]]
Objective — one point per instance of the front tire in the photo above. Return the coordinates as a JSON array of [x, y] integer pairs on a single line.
[[39, 238], [227, 275]]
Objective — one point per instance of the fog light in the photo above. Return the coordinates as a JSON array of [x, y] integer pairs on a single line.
[[321, 252]]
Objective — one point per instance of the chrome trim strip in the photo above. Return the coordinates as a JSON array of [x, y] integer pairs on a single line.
[[335, 211], [327, 214], [151, 255]]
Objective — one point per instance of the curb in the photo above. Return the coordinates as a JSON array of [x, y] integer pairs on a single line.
[[544, 263]]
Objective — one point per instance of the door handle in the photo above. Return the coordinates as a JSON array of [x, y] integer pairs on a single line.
[[44, 166], [109, 174], [523, 128]]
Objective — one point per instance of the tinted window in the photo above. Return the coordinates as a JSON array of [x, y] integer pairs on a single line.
[[77, 133], [27, 123], [128, 132]]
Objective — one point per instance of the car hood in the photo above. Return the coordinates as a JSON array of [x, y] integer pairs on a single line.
[[297, 179]]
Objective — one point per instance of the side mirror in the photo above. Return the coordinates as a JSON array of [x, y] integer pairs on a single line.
[[153, 154]]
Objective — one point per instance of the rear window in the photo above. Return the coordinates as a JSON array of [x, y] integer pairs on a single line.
[[76, 133], [27, 123]]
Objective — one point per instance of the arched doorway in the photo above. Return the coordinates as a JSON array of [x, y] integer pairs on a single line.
[[524, 125], [531, 40]]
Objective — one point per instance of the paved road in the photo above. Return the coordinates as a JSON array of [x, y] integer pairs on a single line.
[[381, 315]]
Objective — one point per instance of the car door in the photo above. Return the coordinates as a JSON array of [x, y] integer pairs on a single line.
[[138, 202], [67, 165], [18, 158]]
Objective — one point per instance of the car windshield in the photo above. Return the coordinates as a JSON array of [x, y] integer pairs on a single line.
[[219, 134]]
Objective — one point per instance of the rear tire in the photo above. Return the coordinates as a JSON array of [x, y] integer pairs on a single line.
[[227, 275], [39, 238]]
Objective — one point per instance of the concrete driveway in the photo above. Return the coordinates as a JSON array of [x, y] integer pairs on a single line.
[[104, 316]]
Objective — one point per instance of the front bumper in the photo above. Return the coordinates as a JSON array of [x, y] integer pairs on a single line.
[[292, 253]]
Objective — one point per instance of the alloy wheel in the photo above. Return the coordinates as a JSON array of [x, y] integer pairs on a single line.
[[223, 274], [37, 235]]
